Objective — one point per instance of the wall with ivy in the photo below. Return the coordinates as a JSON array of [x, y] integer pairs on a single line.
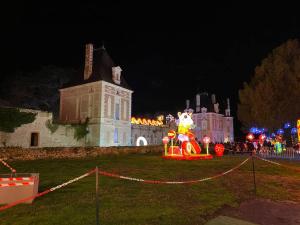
[[49, 134]]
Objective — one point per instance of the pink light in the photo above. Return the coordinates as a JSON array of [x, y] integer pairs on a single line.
[[206, 139], [165, 140]]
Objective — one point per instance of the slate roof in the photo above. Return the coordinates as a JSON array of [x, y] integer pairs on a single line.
[[102, 70], [205, 101]]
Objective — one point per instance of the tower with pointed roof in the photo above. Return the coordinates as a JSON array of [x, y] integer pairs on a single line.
[[102, 96]]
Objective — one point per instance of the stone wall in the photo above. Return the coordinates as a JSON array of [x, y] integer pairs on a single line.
[[152, 134], [62, 137], [12, 153]]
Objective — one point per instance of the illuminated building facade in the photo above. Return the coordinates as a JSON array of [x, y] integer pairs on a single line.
[[101, 95], [210, 121]]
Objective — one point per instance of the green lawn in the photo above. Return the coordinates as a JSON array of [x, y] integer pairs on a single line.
[[128, 202]]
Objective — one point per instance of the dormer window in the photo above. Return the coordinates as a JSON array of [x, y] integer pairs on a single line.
[[116, 74]]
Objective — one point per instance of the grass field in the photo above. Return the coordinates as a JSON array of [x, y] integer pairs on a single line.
[[128, 202]]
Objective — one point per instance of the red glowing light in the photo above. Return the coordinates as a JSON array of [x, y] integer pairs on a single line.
[[219, 149], [172, 134], [250, 137]]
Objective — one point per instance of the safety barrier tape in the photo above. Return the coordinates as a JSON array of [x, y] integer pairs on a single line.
[[16, 178], [278, 164], [46, 191], [117, 176], [8, 166], [16, 184], [108, 174]]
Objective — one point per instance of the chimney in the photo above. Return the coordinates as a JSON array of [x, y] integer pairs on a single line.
[[227, 111], [197, 103], [213, 99], [187, 104], [88, 66]]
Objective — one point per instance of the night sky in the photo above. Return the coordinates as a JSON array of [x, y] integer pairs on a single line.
[[168, 53]]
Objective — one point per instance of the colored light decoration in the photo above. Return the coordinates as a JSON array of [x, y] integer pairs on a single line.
[[280, 131], [148, 122], [219, 149], [250, 137], [294, 130], [206, 141], [165, 142], [183, 145], [262, 138], [287, 125], [172, 136], [258, 131], [273, 135], [298, 128], [253, 130]]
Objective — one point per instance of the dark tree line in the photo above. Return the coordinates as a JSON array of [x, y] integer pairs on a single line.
[[36, 90], [272, 97]]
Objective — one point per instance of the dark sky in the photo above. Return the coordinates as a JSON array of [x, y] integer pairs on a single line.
[[167, 52]]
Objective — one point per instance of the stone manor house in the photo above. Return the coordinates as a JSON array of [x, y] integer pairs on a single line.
[[102, 95]]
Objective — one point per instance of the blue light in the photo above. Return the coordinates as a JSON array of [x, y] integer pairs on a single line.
[[253, 130], [294, 130], [273, 135], [280, 131], [258, 131], [287, 125]]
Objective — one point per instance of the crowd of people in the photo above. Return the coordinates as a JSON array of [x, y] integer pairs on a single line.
[[249, 147]]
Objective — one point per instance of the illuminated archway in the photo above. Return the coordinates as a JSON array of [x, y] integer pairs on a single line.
[[139, 139]]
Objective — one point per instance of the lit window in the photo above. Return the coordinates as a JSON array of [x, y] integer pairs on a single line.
[[117, 111], [116, 135]]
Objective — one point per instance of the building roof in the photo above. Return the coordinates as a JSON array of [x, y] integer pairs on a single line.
[[206, 101], [102, 70]]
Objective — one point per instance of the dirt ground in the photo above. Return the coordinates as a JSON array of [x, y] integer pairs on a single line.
[[266, 212]]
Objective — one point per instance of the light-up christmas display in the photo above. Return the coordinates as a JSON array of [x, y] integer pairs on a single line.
[[278, 145], [149, 122], [219, 149], [298, 128], [181, 145]]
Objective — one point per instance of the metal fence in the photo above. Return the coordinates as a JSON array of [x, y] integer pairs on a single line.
[[289, 153]]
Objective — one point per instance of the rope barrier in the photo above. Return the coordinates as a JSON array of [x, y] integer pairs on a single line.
[[46, 191], [278, 164], [8, 166], [104, 173]]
